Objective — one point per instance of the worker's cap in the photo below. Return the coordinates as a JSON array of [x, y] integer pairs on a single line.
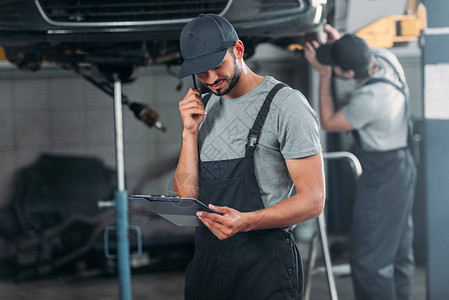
[[204, 42], [349, 53]]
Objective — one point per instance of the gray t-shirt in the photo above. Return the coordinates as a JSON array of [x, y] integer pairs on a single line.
[[291, 130], [377, 110]]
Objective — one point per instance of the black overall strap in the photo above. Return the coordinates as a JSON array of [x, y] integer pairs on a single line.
[[407, 100], [254, 133], [400, 89], [385, 80]]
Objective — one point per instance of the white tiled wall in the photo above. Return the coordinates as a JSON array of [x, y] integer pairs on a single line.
[[30, 94], [67, 115], [61, 113], [6, 130], [5, 96]]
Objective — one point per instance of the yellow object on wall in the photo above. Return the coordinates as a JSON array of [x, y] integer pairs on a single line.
[[2, 54], [389, 30]]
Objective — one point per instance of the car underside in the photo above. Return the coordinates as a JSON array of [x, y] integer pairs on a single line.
[[124, 35]]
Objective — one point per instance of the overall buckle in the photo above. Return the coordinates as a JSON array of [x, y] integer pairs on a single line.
[[253, 138]]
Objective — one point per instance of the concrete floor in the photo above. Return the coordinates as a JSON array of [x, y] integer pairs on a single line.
[[156, 285], [160, 286]]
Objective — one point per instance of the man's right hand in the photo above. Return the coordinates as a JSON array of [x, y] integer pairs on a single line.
[[192, 111], [310, 55]]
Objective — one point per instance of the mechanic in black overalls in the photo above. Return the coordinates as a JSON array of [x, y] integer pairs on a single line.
[[245, 251], [381, 253]]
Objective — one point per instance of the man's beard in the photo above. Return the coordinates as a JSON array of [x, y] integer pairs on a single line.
[[231, 81]]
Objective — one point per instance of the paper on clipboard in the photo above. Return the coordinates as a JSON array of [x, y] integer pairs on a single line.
[[180, 211]]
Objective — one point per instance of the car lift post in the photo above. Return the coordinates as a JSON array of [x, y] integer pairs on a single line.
[[121, 198]]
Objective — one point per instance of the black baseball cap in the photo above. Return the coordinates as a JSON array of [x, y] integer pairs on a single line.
[[204, 42], [349, 53]]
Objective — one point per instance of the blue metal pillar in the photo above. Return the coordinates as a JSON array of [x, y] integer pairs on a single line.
[[436, 146], [121, 199], [124, 269]]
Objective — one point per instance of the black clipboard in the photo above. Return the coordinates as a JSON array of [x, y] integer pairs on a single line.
[[180, 211]]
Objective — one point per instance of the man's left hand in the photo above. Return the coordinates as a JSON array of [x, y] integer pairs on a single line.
[[225, 224]]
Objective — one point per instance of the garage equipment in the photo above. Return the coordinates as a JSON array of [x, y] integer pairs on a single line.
[[357, 169], [121, 199], [52, 223], [141, 111], [389, 30]]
